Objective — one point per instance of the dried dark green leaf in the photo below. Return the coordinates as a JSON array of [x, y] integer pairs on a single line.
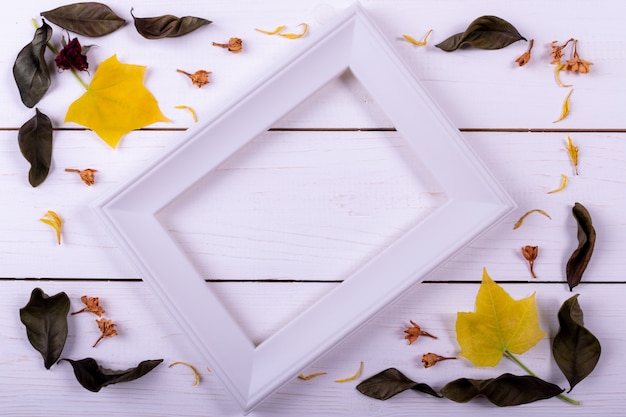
[[87, 18], [35, 141], [390, 382], [576, 350], [45, 319], [486, 32], [167, 26], [579, 259], [94, 377], [30, 69], [503, 391]]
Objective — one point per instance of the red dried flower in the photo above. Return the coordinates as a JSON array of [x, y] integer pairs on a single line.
[[72, 57]]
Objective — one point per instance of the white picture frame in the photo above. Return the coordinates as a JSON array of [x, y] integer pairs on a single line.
[[475, 202]]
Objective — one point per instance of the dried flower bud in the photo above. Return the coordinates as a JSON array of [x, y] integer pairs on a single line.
[[86, 175], [431, 359], [530, 254], [92, 305], [525, 57], [412, 333], [234, 45], [72, 57], [107, 327], [199, 78]]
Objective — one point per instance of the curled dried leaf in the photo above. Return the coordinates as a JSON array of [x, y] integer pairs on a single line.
[[528, 213], [167, 26], [562, 186], [566, 107], [30, 69], [578, 261], [35, 142], [353, 377], [52, 219], [505, 390], [196, 374], [576, 350], [94, 377], [485, 32], [390, 382], [86, 18]]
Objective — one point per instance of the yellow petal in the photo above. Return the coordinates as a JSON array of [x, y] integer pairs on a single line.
[[192, 111], [521, 219], [565, 110], [296, 35], [416, 42], [52, 219], [193, 369], [557, 76], [353, 377], [573, 153], [562, 186], [311, 376], [272, 32]]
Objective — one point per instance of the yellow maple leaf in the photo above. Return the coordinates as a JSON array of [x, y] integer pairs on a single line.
[[116, 102], [500, 324]]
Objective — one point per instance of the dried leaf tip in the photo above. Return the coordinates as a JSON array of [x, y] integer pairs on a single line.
[[107, 327], [530, 254], [92, 305], [525, 57], [198, 78], [431, 359], [234, 45], [86, 175], [52, 219], [415, 42], [572, 151], [414, 332]]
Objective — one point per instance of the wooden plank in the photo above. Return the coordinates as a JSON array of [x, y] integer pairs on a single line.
[[146, 331], [477, 89]]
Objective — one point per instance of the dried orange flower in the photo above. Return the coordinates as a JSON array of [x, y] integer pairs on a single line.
[[415, 41], [557, 51], [576, 63], [199, 78], [530, 254], [107, 327], [412, 333], [234, 45], [92, 305], [86, 175], [525, 57], [431, 359], [52, 219]]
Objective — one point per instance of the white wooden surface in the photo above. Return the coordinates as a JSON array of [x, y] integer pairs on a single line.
[[298, 208]]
